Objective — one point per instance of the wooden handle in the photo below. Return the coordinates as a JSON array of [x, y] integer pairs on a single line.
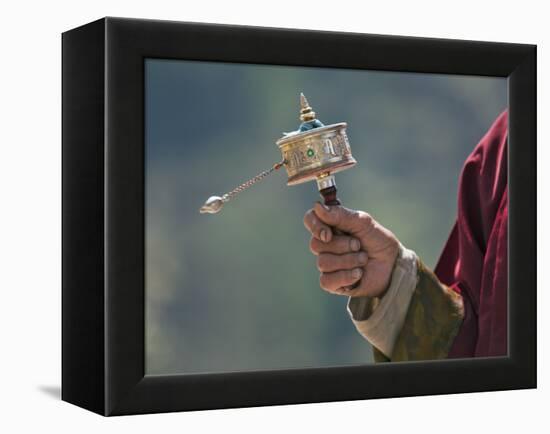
[[329, 196]]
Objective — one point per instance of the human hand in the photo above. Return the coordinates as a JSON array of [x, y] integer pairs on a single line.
[[358, 262]]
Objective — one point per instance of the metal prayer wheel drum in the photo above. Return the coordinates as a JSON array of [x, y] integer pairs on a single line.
[[316, 153]]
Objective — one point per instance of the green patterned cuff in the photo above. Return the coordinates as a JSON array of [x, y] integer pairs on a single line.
[[433, 320]]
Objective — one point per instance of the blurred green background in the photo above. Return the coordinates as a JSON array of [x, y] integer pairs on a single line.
[[239, 290]]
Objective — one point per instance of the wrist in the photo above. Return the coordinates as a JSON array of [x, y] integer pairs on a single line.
[[396, 255]]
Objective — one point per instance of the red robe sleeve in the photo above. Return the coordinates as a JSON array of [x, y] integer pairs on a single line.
[[474, 261]]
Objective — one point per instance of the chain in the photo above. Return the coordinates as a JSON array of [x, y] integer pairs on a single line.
[[228, 196]]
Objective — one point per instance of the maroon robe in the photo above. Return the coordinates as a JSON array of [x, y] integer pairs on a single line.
[[474, 261]]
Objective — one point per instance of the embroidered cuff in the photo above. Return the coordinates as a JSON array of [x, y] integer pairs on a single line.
[[379, 320]]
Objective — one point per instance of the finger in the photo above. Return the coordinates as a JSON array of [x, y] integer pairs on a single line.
[[351, 221], [317, 228], [375, 280], [332, 282], [327, 262], [338, 245]]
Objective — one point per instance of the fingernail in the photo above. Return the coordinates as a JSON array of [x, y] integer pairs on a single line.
[[356, 273], [362, 258], [324, 235], [355, 245]]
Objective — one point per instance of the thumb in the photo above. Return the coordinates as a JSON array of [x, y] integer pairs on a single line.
[[345, 219]]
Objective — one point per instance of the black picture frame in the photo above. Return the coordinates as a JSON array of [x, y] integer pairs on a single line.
[[103, 215]]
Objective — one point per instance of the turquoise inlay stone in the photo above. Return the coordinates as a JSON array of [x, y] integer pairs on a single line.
[[310, 152]]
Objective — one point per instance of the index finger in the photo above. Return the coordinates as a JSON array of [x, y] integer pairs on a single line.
[[316, 227]]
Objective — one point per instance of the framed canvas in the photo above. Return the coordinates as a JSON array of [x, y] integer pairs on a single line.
[[166, 308]]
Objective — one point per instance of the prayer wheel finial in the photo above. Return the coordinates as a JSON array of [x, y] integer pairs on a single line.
[[306, 112]]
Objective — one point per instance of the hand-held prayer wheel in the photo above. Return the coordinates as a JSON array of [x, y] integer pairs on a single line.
[[313, 152], [316, 152]]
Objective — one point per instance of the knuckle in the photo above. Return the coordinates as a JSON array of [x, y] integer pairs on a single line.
[[366, 221], [307, 218], [313, 246], [320, 264], [323, 262], [365, 218], [323, 281]]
